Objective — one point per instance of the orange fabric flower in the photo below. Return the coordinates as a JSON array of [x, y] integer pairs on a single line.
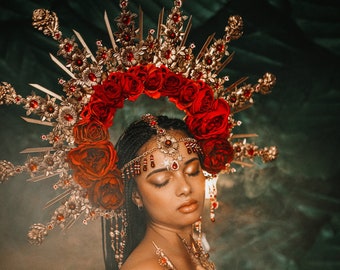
[[90, 131], [94, 159], [108, 192]]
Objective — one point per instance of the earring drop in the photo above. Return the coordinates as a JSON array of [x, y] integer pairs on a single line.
[[211, 181]]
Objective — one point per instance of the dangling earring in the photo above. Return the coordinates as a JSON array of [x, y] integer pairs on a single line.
[[197, 230], [211, 194], [118, 235]]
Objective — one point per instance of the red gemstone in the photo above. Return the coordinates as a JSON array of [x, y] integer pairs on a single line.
[[247, 93], [68, 117], [168, 143], [79, 62], [60, 217], [72, 206], [34, 104], [172, 35], [130, 56], [174, 165], [250, 152], [50, 109], [72, 88], [176, 17], [126, 19], [33, 167], [104, 55], [208, 61], [232, 99], [167, 54], [92, 77], [126, 37], [68, 47], [214, 205], [56, 138], [220, 48], [123, 4]]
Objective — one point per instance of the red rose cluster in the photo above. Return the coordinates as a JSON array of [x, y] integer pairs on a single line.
[[94, 159]]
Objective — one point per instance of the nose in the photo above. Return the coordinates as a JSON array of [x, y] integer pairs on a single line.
[[183, 186]]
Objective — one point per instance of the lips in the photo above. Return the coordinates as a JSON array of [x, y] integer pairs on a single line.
[[188, 207]]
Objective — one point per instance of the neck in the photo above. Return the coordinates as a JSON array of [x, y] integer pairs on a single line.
[[170, 236]]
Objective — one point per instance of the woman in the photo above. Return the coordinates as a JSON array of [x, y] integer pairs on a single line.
[[164, 200]]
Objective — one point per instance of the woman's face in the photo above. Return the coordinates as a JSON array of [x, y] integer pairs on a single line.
[[172, 198]]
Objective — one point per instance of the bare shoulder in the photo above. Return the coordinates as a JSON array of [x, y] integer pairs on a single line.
[[150, 264], [142, 258]]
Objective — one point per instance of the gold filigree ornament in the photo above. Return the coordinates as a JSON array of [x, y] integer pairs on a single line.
[[160, 64]]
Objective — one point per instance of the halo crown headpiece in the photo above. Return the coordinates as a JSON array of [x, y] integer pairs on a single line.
[[161, 64]]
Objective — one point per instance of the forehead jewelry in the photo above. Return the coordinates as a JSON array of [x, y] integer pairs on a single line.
[[166, 144]]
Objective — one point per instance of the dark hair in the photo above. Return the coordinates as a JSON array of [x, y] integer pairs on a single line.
[[128, 145]]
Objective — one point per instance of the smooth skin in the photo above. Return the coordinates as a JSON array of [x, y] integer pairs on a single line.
[[173, 201]]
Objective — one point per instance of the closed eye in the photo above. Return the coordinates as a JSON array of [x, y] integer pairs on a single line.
[[160, 185]]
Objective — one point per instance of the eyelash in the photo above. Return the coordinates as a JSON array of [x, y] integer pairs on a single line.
[[162, 184], [195, 173], [167, 181]]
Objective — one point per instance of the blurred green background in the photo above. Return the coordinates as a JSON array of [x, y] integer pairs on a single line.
[[285, 215]]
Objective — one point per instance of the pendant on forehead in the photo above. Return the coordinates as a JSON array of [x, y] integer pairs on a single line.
[[174, 165]]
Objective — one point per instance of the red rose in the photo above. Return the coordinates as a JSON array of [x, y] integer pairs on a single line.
[[172, 84], [90, 131], [203, 101], [153, 82], [141, 71], [217, 153], [99, 110], [82, 179], [93, 160], [211, 124], [132, 87], [108, 192], [187, 95], [110, 91]]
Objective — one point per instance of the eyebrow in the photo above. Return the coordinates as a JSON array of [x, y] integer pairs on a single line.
[[166, 169]]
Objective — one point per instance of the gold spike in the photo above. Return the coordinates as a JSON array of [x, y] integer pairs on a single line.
[[237, 136], [242, 163], [36, 150], [45, 90], [41, 177], [160, 21], [245, 107], [39, 122], [235, 84], [57, 198], [70, 223], [225, 63], [109, 30], [80, 38], [206, 44], [55, 60], [186, 33], [140, 24]]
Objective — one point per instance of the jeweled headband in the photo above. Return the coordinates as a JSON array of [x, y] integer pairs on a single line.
[[161, 64], [167, 144]]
